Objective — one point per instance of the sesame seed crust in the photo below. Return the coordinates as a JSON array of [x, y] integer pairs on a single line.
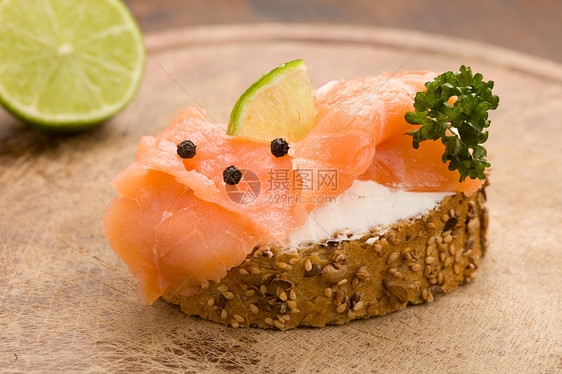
[[332, 282]]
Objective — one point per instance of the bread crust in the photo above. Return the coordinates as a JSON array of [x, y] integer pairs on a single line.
[[334, 282]]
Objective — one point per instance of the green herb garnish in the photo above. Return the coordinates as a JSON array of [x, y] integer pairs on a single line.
[[465, 120]]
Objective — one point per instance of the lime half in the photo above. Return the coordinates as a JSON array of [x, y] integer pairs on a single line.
[[278, 105], [66, 65]]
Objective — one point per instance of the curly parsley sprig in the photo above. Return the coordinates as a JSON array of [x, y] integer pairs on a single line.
[[459, 126]]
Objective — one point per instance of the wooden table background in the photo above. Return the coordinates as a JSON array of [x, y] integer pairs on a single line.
[[531, 26]]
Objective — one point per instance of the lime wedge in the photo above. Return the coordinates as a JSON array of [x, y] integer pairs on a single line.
[[278, 105], [68, 65]]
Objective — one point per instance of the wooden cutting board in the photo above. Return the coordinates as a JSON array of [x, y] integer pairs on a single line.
[[68, 303]]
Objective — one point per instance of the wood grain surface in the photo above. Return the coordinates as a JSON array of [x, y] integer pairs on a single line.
[[532, 27], [68, 304]]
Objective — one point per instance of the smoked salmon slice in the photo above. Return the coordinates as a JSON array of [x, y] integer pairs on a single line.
[[174, 223], [169, 238], [398, 165], [354, 118]]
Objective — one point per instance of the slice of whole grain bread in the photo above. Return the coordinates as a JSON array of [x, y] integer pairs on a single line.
[[332, 282]]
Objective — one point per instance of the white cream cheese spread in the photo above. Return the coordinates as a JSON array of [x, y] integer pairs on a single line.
[[364, 205]]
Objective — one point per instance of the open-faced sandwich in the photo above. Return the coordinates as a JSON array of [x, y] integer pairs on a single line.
[[313, 207]]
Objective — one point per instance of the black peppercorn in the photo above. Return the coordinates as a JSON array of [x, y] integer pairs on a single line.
[[186, 149], [232, 175], [279, 147]]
